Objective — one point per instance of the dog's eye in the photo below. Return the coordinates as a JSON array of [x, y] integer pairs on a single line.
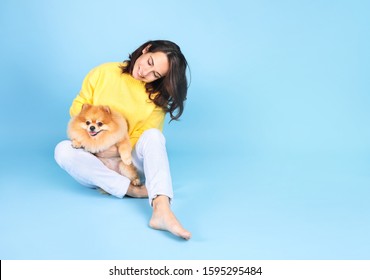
[[100, 124], [87, 123]]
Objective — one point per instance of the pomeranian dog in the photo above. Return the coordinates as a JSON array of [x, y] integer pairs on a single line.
[[98, 128]]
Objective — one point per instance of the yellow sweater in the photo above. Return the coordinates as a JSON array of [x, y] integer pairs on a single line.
[[106, 85]]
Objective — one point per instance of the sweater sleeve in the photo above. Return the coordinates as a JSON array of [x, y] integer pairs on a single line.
[[155, 120], [86, 93]]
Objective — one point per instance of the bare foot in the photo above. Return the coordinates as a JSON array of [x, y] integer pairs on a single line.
[[164, 219], [137, 191]]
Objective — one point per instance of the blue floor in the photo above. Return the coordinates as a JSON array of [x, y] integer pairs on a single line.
[[237, 208], [271, 160]]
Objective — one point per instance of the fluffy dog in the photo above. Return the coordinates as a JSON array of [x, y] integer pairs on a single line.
[[96, 129]]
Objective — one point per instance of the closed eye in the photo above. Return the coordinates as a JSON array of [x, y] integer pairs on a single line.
[[151, 63]]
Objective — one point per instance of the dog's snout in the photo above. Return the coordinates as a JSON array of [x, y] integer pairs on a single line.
[[92, 128]]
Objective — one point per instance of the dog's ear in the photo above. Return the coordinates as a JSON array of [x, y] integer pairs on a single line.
[[107, 109], [85, 107]]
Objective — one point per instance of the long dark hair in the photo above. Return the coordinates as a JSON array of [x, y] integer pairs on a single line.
[[168, 92]]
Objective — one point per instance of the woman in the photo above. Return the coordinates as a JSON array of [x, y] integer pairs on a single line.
[[143, 89]]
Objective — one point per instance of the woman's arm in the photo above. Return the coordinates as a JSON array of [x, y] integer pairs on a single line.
[[86, 93], [155, 120]]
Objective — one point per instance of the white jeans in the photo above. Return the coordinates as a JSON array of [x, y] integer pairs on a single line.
[[149, 156]]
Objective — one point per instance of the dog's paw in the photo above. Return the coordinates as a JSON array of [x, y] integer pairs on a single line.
[[126, 159], [76, 144], [136, 182]]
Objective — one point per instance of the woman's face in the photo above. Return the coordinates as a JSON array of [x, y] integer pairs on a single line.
[[150, 66]]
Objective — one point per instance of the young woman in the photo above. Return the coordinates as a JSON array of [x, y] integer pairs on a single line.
[[143, 89]]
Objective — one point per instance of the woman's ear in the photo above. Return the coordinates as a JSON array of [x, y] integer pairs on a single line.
[[146, 49]]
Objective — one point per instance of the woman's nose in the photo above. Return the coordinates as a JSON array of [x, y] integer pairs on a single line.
[[145, 72]]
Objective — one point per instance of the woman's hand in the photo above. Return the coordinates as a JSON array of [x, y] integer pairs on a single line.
[[109, 153]]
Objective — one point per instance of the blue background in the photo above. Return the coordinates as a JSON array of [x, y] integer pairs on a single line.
[[271, 159]]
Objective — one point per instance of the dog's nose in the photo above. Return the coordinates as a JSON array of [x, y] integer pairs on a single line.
[[92, 128]]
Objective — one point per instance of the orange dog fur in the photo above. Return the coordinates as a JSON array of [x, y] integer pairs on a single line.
[[98, 128]]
